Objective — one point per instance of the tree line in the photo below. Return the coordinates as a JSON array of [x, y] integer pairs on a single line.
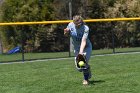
[[48, 38]]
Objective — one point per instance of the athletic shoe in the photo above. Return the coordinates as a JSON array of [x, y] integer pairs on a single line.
[[85, 82]]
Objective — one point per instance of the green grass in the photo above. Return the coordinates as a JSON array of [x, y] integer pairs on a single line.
[[130, 49], [116, 50], [32, 56], [111, 74]]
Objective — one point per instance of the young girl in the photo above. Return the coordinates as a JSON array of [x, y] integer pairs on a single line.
[[82, 45]]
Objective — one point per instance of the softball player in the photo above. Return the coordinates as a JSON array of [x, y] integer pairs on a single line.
[[82, 45]]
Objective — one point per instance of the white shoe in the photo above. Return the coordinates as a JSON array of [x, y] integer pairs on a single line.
[[85, 82]]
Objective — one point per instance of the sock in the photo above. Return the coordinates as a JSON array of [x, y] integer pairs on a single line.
[[86, 76]]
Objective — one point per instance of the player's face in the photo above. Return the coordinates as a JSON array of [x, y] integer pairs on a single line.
[[78, 23]]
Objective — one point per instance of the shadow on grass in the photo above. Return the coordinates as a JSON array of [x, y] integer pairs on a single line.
[[94, 82]]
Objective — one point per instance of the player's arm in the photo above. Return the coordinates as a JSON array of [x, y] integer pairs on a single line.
[[66, 31], [83, 44], [84, 40]]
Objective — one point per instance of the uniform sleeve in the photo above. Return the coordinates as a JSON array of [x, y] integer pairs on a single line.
[[69, 25], [86, 32]]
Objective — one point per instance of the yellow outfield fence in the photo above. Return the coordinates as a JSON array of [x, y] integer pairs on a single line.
[[67, 21]]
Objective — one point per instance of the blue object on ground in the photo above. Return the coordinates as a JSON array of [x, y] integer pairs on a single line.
[[14, 50]]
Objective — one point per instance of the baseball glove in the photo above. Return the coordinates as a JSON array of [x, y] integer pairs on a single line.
[[80, 57]]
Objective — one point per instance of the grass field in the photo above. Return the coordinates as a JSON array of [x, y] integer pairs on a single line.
[[34, 56], [111, 74]]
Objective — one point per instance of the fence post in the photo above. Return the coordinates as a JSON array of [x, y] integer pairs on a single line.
[[113, 40], [22, 44], [70, 17], [1, 47]]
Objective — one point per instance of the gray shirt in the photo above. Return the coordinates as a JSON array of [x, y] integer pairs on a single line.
[[77, 33]]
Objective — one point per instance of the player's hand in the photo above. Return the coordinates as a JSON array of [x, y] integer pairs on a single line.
[[66, 31]]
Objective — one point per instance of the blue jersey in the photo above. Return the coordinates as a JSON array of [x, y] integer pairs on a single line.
[[77, 33]]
